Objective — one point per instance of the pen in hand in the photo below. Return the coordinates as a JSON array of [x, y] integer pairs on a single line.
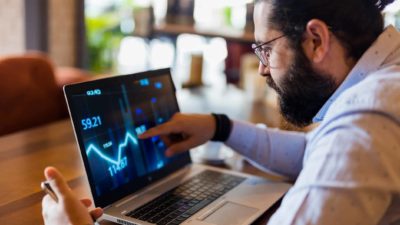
[[45, 185]]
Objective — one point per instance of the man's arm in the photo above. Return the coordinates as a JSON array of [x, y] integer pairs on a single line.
[[350, 172], [274, 150]]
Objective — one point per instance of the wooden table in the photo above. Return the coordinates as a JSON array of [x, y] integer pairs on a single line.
[[23, 157]]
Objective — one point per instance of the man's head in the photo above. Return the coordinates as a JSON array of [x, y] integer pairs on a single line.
[[317, 43]]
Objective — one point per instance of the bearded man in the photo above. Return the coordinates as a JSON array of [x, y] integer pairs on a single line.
[[331, 62]]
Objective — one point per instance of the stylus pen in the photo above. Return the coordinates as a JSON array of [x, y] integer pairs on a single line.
[[45, 185]]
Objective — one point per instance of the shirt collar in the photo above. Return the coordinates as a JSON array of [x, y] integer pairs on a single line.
[[371, 60]]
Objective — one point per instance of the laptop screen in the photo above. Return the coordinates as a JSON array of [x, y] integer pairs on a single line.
[[108, 115]]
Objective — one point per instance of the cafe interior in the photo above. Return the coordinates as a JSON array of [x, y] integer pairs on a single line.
[[47, 44]]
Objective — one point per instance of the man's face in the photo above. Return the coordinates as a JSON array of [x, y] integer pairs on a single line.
[[302, 91]]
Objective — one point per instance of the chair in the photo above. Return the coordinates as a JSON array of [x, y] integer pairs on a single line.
[[31, 91]]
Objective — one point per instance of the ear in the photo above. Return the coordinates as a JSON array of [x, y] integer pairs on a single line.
[[317, 40]]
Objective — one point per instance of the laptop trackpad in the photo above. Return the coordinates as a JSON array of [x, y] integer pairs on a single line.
[[230, 213]]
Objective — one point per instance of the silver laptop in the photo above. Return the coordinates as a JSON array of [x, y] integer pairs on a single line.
[[133, 180]]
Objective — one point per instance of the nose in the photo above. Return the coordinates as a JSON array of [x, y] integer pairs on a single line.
[[263, 70]]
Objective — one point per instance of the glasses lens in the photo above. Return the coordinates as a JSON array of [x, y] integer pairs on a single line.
[[262, 55]]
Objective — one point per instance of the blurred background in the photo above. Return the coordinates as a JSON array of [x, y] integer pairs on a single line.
[[46, 44], [205, 42]]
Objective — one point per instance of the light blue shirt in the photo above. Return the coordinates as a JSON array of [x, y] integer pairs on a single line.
[[347, 170]]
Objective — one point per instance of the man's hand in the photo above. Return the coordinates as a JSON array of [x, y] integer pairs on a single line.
[[68, 210], [195, 129]]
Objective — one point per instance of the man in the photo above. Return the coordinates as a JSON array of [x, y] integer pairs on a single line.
[[329, 61]]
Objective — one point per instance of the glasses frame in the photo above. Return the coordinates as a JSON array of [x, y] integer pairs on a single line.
[[264, 54]]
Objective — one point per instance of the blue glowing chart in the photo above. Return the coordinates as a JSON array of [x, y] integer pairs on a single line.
[[111, 117]]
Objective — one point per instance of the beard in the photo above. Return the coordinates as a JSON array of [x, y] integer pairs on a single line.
[[302, 91]]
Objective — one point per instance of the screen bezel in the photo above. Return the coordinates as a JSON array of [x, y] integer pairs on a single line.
[[179, 161]]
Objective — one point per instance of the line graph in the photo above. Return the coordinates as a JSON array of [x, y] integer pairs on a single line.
[[122, 111], [121, 146]]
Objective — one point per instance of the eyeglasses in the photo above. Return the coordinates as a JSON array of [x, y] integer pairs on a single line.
[[264, 53]]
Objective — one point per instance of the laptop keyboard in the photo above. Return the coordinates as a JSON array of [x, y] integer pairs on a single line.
[[180, 203]]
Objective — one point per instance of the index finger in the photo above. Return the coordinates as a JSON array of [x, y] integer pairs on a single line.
[[163, 129]]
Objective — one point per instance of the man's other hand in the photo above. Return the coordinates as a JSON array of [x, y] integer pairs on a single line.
[[68, 210]]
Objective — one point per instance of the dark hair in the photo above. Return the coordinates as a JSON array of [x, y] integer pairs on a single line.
[[356, 23]]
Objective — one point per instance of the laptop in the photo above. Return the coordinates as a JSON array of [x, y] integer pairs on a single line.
[[132, 179]]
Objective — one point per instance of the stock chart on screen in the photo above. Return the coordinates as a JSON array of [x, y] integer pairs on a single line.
[[110, 119]]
